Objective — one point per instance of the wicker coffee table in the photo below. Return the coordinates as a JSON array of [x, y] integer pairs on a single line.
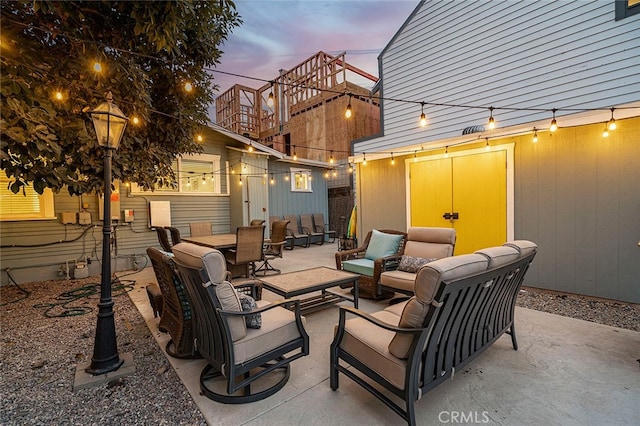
[[303, 282]]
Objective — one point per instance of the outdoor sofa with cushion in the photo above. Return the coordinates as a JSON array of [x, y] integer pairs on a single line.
[[462, 304]]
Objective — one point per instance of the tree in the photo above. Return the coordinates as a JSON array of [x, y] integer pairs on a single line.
[[148, 51]]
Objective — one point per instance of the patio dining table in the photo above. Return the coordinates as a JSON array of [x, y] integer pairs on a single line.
[[216, 241]]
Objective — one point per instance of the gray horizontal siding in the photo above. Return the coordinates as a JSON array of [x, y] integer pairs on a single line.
[[504, 54], [284, 201]]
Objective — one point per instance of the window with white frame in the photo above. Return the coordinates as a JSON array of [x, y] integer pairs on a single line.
[[196, 174], [300, 180], [24, 206]]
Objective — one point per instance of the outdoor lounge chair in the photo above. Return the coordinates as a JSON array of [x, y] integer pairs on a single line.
[[368, 260], [176, 317], [306, 220], [163, 239], [244, 363], [295, 233], [175, 235], [320, 226]]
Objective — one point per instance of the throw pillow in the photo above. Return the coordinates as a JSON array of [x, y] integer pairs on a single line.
[[382, 245], [249, 304], [229, 301], [412, 264]]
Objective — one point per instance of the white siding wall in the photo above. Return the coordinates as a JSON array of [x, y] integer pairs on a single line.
[[522, 54]]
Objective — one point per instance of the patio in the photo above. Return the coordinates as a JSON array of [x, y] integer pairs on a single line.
[[566, 371]]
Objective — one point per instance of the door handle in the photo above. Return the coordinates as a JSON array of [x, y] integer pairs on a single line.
[[451, 216]]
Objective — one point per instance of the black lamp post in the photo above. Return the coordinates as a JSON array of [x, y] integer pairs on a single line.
[[109, 122]]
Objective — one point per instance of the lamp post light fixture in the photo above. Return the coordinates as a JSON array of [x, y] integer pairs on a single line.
[[109, 122]]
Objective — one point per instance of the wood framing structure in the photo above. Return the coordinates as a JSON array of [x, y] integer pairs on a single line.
[[302, 110]]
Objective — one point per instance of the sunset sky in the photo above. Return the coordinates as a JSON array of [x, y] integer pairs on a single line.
[[281, 34]]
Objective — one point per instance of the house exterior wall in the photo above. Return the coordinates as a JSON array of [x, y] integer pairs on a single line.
[[503, 53], [576, 194], [283, 201]]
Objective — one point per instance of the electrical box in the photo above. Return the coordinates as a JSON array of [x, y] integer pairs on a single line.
[[159, 214], [84, 218], [67, 218], [128, 215]]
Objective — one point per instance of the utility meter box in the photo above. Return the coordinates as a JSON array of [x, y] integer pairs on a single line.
[[81, 270], [84, 218], [67, 218], [128, 215]]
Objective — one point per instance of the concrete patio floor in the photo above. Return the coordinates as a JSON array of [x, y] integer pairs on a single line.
[[566, 372]]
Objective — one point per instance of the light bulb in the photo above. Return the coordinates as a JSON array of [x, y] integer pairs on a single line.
[[393, 160], [364, 159], [135, 120], [423, 120], [492, 121], [554, 125], [270, 99], [535, 135], [199, 138], [97, 67], [605, 132], [347, 113], [188, 87]]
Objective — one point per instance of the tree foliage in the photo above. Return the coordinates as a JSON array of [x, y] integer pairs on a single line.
[[148, 51]]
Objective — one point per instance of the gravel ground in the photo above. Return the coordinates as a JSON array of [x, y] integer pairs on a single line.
[[47, 332]]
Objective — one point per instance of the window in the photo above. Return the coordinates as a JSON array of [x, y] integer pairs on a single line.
[[20, 207], [196, 174], [625, 8], [300, 180]]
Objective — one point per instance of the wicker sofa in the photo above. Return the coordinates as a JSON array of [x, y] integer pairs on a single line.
[[462, 304]]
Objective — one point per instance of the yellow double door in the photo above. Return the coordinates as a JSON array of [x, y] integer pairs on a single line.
[[467, 192]]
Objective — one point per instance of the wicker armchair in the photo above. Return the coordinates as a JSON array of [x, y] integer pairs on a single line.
[[176, 315], [368, 283]]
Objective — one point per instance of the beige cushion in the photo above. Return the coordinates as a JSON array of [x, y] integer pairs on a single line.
[[197, 256], [229, 301], [499, 256], [278, 328], [370, 344], [430, 242], [401, 280], [426, 284], [523, 246]]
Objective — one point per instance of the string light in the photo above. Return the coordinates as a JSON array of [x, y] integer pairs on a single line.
[[286, 177], [199, 137], [335, 173], [326, 174], [241, 179], [446, 151], [364, 158], [393, 161], [415, 156], [295, 156], [423, 117], [58, 95], [188, 87], [204, 178], [350, 168], [611, 125], [535, 135], [135, 120], [265, 174], [605, 132], [272, 181], [331, 161], [492, 121], [188, 181], [347, 113], [270, 98], [487, 146], [554, 125], [97, 66]]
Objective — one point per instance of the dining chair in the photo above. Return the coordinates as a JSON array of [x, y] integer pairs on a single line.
[[200, 229], [249, 242], [274, 247]]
